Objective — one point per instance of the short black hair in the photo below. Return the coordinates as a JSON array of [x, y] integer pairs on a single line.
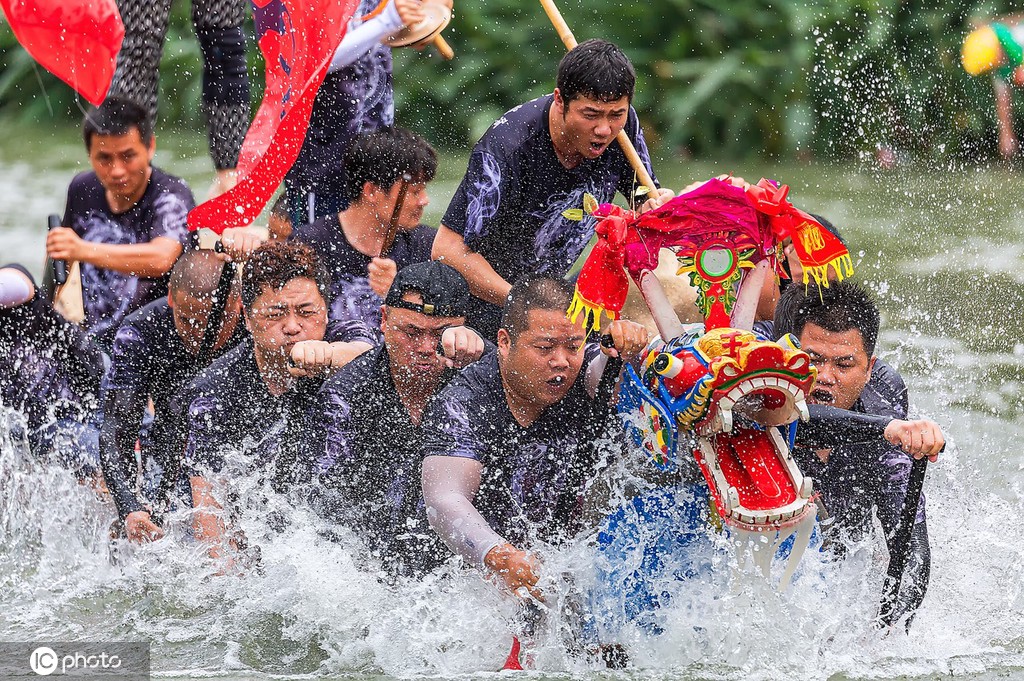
[[383, 156], [117, 116], [841, 306], [597, 69], [533, 292], [275, 263]]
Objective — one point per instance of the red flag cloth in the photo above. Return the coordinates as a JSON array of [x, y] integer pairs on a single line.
[[298, 39], [715, 214], [816, 247], [602, 285], [75, 40]]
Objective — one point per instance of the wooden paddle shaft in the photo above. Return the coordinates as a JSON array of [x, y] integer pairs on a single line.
[[900, 546], [628, 149], [443, 47], [396, 214]]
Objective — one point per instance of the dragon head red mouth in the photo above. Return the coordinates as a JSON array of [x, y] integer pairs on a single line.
[[733, 390]]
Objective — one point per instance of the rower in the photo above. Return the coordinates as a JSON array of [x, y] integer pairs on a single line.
[[838, 327], [50, 372], [363, 246], [258, 396], [124, 220], [157, 352], [372, 411], [508, 445], [355, 97], [535, 163]]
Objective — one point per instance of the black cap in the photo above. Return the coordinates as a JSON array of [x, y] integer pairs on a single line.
[[445, 292]]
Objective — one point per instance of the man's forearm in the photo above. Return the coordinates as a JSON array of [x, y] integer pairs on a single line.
[[484, 282], [449, 486], [206, 521], [123, 413], [150, 260], [344, 352]]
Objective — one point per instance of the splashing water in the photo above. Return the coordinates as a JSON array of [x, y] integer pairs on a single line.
[[316, 606]]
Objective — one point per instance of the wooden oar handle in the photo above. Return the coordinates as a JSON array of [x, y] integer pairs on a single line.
[[634, 160], [396, 214], [443, 47], [565, 33]]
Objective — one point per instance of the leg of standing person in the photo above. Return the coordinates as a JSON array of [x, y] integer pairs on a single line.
[[218, 26], [138, 63]]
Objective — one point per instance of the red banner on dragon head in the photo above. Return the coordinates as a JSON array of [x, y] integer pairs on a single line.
[[716, 230], [297, 39]]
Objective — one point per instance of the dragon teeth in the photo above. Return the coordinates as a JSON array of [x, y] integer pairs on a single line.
[[805, 414]]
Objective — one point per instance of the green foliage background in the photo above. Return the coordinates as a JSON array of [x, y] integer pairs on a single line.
[[717, 78]]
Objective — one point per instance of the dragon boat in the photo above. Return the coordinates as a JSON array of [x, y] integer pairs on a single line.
[[717, 397]]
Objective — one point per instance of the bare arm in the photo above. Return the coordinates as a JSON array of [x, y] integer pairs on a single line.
[[151, 259], [484, 282], [206, 521], [313, 358], [1004, 114]]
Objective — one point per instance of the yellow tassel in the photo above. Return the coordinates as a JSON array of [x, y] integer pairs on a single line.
[[843, 266], [592, 312]]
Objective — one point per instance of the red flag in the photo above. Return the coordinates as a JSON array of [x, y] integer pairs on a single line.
[[75, 40], [816, 247], [298, 39]]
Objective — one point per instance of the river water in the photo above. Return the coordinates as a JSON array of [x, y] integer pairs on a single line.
[[943, 250]]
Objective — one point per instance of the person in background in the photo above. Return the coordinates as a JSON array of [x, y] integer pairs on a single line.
[[997, 49], [356, 97], [125, 220], [279, 226], [386, 176]]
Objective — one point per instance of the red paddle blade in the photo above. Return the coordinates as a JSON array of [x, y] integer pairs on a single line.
[[512, 661]]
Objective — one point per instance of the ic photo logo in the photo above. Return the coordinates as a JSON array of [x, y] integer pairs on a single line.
[[45, 661]]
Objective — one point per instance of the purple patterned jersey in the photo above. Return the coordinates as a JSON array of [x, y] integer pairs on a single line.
[[109, 296], [533, 477], [350, 295], [509, 205]]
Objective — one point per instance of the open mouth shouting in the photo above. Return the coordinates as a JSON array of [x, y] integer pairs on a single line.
[[558, 384], [822, 396]]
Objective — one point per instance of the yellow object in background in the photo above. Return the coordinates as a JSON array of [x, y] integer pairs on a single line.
[[982, 51]]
